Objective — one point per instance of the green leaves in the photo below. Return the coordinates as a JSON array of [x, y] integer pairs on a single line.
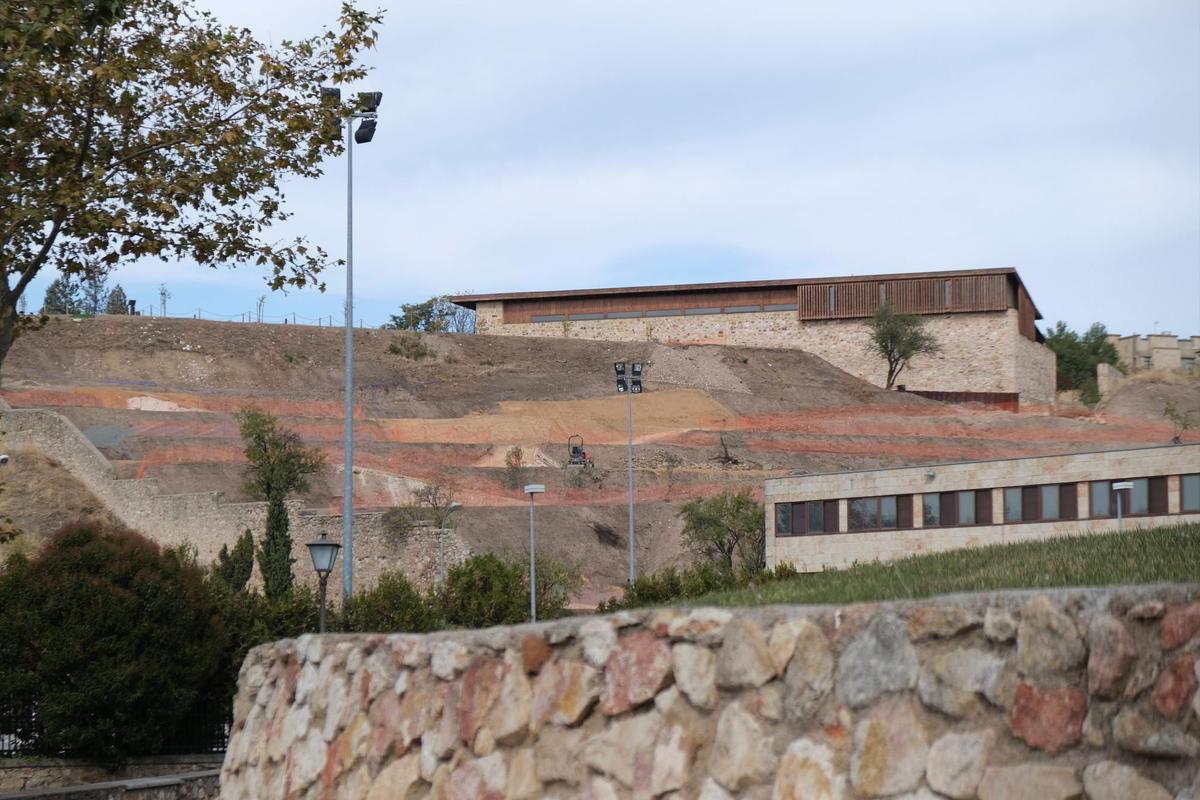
[[133, 128], [898, 338]]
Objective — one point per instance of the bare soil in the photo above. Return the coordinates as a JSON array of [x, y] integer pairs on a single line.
[[157, 397]]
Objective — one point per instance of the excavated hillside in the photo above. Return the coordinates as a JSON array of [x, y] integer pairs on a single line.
[[158, 396]]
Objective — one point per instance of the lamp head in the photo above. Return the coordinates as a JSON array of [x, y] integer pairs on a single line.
[[365, 132], [619, 368], [534, 488], [324, 554], [369, 101]]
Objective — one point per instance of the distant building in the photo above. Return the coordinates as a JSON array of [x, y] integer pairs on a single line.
[[1157, 352], [818, 522], [984, 320]]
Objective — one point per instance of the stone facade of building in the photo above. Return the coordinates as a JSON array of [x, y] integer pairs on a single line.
[[1004, 696], [980, 352], [813, 552], [1157, 352]]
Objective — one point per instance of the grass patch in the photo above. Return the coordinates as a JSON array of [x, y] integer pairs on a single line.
[[1156, 555]]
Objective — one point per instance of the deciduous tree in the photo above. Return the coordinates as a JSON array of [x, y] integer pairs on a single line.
[[718, 529], [898, 338], [135, 128]]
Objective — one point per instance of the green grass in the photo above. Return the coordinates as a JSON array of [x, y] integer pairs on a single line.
[[1156, 555]]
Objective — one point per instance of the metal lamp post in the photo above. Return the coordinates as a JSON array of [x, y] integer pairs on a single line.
[[367, 111], [629, 386], [1119, 487], [324, 554], [442, 541], [533, 489]]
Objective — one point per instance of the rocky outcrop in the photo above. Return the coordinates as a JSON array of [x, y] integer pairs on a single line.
[[1075, 694]]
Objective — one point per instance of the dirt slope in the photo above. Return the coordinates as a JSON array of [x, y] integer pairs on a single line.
[[157, 397]]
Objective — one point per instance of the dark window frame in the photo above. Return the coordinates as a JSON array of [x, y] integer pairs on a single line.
[[948, 508], [1182, 508], [1157, 504], [1032, 510], [799, 512], [904, 513]]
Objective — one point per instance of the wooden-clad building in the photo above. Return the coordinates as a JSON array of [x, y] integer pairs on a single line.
[[984, 320]]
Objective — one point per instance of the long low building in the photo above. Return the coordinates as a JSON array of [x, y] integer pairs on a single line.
[[833, 520], [984, 321]]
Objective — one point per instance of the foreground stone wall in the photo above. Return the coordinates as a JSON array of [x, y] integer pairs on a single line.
[[980, 352], [205, 522], [1086, 693]]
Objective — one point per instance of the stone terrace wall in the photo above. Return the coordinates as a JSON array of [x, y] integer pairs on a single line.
[[1085, 693], [203, 520]]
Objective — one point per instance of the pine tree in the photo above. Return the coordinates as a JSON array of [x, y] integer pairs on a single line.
[[117, 303], [275, 555], [95, 294], [62, 297]]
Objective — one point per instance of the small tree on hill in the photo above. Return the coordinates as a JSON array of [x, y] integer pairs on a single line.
[[898, 338], [94, 290], [279, 465], [515, 470], [728, 526], [435, 315], [1076, 358], [431, 506], [62, 297], [117, 302]]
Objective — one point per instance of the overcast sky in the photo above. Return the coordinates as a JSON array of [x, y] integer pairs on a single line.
[[543, 145]]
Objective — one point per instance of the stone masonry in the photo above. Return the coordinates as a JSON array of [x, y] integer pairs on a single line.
[[206, 522], [835, 550], [1007, 696], [980, 352]]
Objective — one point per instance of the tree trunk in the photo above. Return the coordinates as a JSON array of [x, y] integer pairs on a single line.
[[8, 327]]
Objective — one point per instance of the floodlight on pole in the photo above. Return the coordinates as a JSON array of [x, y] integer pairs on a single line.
[[368, 102], [629, 387], [533, 489]]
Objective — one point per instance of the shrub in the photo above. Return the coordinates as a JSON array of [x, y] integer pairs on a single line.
[[515, 471], [557, 582], [718, 529], [392, 605], [484, 590], [110, 638], [235, 567], [411, 347]]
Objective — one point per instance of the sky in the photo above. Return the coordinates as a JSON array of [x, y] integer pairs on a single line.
[[551, 145]]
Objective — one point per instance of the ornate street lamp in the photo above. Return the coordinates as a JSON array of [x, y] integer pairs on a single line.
[[324, 553]]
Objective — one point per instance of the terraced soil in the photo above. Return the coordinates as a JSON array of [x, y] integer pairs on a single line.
[[157, 397]]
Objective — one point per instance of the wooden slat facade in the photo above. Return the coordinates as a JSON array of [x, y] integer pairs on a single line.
[[844, 300], [524, 310]]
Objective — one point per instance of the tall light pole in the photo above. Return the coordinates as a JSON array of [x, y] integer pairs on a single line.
[[367, 111], [442, 542], [533, 489], [629, 387]]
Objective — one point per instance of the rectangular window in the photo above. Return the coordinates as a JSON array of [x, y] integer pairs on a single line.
[[931, 508], [783, 519], [588, 315], [830, 299], [864, 514], [1190, 499], [887, 512], [1158, 495], [698, 311], [547, 318], [780, 307], [1012, 504], [1139, 497], [663, 312], [624, 314], [741, 309], [1049, 498], [966, 508], [1100, 495], [816, 517], [946, 293]]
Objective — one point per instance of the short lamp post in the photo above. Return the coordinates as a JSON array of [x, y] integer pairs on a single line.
[[533, 489], [442, 541], [1119, 487], [324, 553]]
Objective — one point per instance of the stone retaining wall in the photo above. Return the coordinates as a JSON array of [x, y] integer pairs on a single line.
[[206, 522], [1038, 696], [203, 785], [20, 773]]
